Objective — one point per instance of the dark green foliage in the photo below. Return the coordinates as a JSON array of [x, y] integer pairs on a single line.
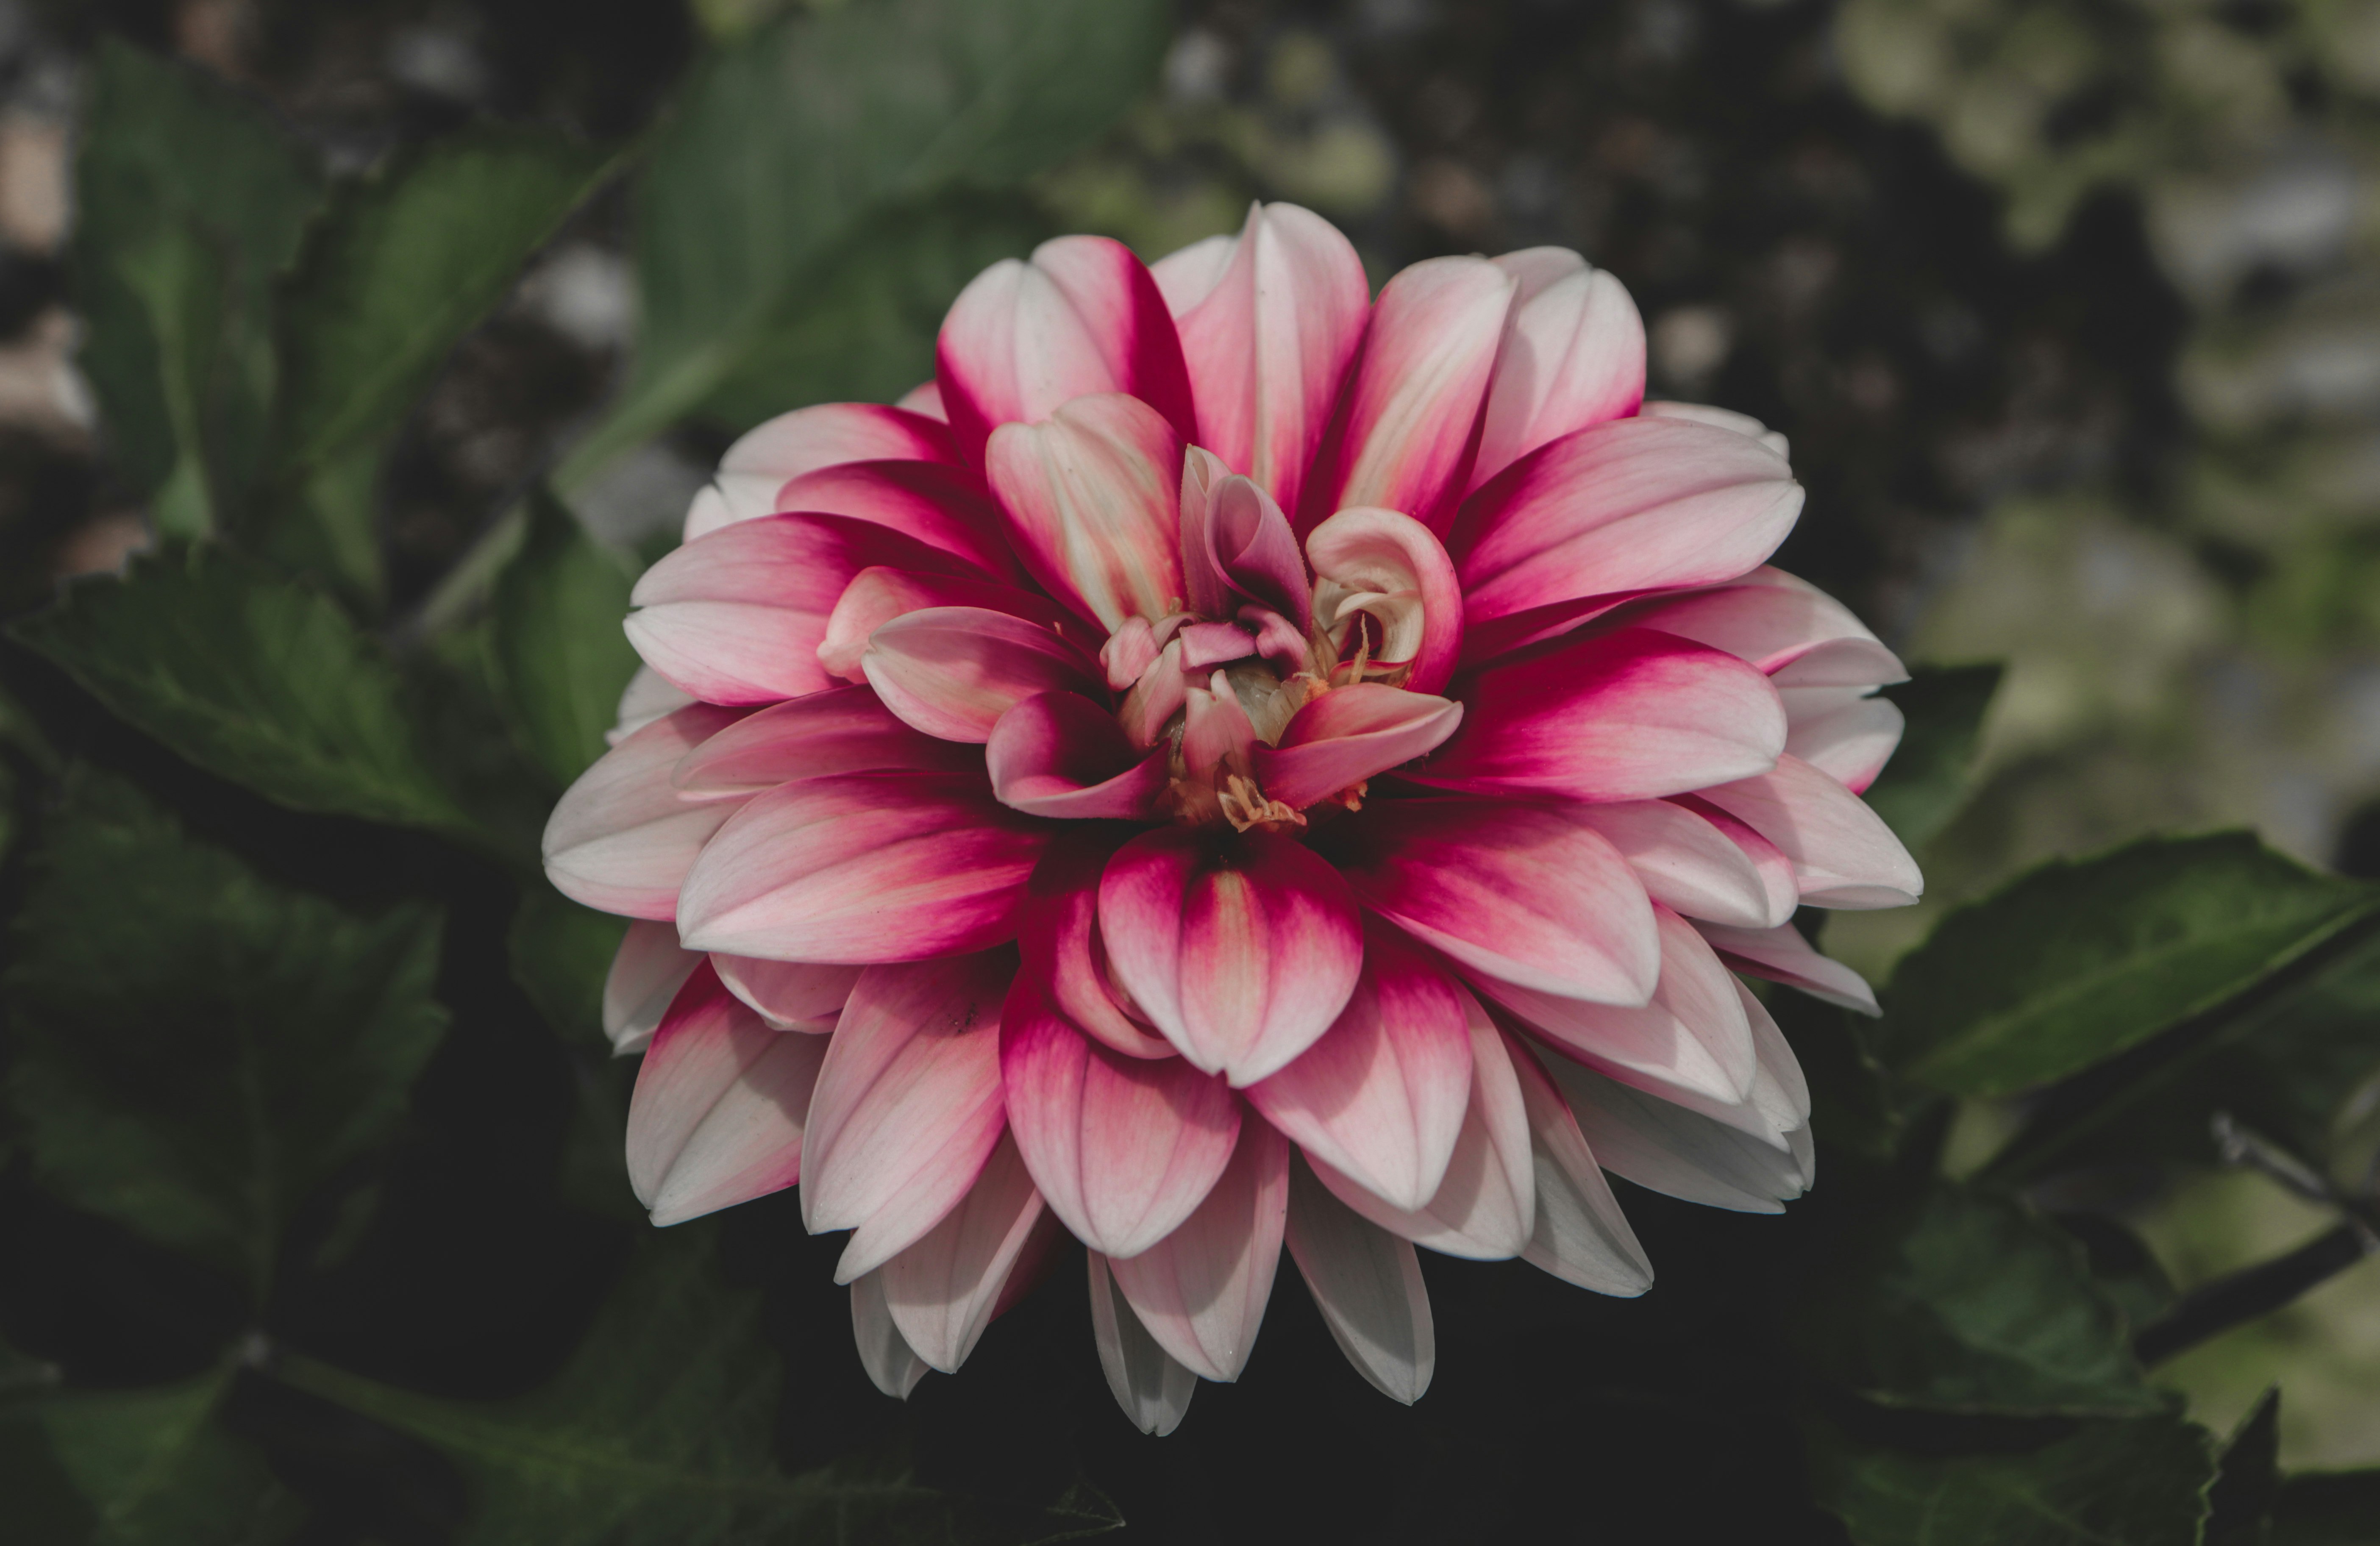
[[559, 953], [2247, 1478], [1928, 779], [199, 1048], [560, 651], [2329, 1508], [2081, 959]]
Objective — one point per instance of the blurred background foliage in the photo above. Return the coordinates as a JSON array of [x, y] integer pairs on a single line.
[[2070, 309]]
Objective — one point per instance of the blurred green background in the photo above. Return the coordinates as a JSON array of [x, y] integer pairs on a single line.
[[2070, 307]]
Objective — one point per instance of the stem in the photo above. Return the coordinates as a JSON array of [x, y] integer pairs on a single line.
[[2210, 1309]]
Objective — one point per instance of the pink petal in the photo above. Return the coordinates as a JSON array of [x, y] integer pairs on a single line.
[[1667, 1149], [1781, 954], [1486, 1207], [1843, 853], [737, 617], [907, 1107], [1216, 734], [1845, 736], [1619, 717], [1084, 316], [925, 398], [1092, 498], [876, 597], [1581, 1236], [1687, 863], [803, 440], [719, 1108], [841, 730], [1269, 340], [1390, 566], [1694, 1038], [1789, 629], [1722, 418], [1574, 356], [1201, 1291], [647, 697], [1059, 754], [1349, 735], [1185, 275], [1243, 949], [1123, 1147], [893, 1365], [1380, 1096], [1631, 506], [622, 838], [1236, 545], [1783, 891], [645, 975], [947, 508], [790, 995], [1368, 1284], [1529, 893], [1153, 1390], [1402, 437], [870, 867], [1058, 938], [952, 671], [941, 1291]]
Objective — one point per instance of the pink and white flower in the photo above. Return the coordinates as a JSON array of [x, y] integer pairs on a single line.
[[1233, 762]]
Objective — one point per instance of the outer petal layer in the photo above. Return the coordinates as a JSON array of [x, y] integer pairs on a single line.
[[1367, 1284], [1201, 1291], [1574, 355], [623, 839], [943, 1290]]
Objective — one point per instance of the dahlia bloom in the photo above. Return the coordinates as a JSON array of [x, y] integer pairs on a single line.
[[1232, 763]]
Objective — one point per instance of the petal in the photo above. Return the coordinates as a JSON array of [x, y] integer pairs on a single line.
[[737, 617], [622, 838], [952, 671], [1187, 274], [1349, 735], [1059, 937], [841, 730], [1368, 1284], [1390, 565], [1059, 754], [1843, 855], [1201, 1291], [645, 975], [870, 867], [876, 597], [1781, 954], [1788, 627], [907, 1107], [1619, 717], [941, 1291], [1686, 863], [1781, 889], [1581, 1236], [1380, 1096], [1092, 499], [1848, 740], [1123, 1147], [719, 1106], [1667, 1149], [1241, 948], [1530, 894], [1635, 504], [1723, 417], [1574, 355], [1692, 1039], [891, 1364], [1153, 1390], [926, 399], [1402, 437], [790, 995], [647, 697], [1485, 1207], [803, 440], [1084, 316], [1236, 544], [947, 508], [1268, 338]]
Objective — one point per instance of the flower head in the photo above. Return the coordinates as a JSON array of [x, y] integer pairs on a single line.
[[1233, 762]]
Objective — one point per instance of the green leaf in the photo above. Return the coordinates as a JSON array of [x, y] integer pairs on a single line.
[[561, 654], [657, 1433], [197, 1047], [2136, 1483], [862, 329], [400, 267], [157, 1468], [1928, 777], [1967, 1302], [264, 683], [2241, 1502], [2082, 958], [2329, 1508], [785, 143], [188, 198], [561, 953]]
